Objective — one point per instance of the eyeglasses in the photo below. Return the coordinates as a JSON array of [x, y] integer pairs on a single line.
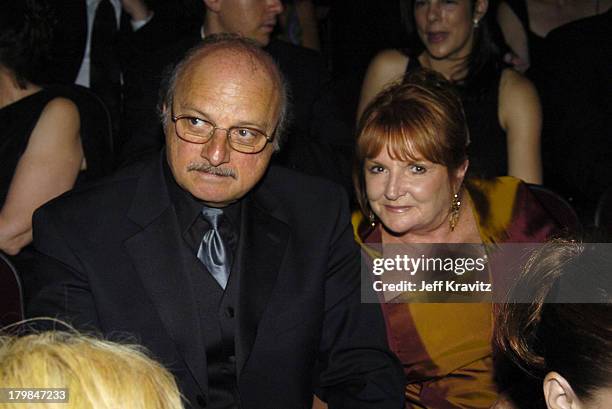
[[242, 139]]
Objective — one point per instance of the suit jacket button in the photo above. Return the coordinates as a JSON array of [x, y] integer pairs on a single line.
[[201, 399], [229, 312]]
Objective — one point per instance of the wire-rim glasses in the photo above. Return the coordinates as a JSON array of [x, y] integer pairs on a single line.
[[241, 138]]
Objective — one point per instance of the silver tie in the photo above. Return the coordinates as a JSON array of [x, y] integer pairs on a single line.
[[213, 252]]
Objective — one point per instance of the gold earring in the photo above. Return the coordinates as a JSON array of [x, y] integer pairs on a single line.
[[454, 211], [372, 219]]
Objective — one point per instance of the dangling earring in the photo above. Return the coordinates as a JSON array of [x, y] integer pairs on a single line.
[[372, 219], [454, 211], [476, 22]]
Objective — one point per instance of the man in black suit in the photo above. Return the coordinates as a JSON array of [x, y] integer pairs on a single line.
[[242, 279], [318, 142], [575, 86], [73, 33], [89, 38]]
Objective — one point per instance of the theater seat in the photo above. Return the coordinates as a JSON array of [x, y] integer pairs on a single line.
[[559, 208], [11, 295], [603, 212]]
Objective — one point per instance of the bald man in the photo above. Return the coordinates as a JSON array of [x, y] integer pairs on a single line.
[[240, 277], [318, 142]]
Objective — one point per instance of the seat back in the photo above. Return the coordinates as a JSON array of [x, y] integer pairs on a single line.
[[96, 132], [11, 294], [603, 212], [558, 208]]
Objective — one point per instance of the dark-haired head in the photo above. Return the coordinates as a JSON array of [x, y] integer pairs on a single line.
[[565, 346], [460, 22], [26, 28]]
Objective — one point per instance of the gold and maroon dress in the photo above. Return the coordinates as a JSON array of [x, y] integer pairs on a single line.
[[445, 349]]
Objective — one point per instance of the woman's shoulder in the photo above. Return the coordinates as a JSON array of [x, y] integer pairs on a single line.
[[513, 82], [518, 99], [358, 222], [390, 63], [496, 185], [494, 204], [508, 211], [59, 123], [60, 109], [495, 194]]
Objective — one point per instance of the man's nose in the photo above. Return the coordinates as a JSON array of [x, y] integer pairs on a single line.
[[217, 149]]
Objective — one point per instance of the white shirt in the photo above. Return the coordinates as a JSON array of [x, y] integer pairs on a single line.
[[92, 5]]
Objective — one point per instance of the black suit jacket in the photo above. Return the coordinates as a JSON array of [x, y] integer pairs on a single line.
[[109, 261], [70, 37]]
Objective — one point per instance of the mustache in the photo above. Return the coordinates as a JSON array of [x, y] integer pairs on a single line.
[[213, 170]]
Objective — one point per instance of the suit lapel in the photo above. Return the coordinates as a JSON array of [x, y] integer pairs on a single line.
[[156, 255], [263, 240]]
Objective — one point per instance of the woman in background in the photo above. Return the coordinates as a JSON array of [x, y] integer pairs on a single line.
[[41, 152], [558, 329], [411, 185], [502, 107]]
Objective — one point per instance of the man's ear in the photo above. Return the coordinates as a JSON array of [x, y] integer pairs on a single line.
[[558, 393], [480, 9], [164, 110], [212, 5]]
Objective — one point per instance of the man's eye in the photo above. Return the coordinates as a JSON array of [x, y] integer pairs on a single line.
[[419, 3], [196, 122], [246, 133]]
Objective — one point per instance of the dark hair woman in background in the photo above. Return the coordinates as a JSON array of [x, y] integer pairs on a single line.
[[502, 107], [564, 349], [41, 153]]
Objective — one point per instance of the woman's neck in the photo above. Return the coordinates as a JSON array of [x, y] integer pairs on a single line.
[[10, 91], [452, 70]]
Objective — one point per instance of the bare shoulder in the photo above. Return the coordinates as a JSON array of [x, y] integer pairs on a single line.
[[513, 82], [386, 68], [390, 64], [59, 119], [60, 106], [516, 94]]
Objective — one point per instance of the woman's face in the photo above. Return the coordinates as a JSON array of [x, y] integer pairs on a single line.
[[446, 27], [409, 197]]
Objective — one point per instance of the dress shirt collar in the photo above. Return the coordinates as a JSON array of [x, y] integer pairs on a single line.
[[188, 208]]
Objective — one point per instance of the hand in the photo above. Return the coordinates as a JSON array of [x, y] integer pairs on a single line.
[[137, 9], [517, 62]]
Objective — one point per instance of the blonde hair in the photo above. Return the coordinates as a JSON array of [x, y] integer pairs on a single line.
[[98, 374]]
